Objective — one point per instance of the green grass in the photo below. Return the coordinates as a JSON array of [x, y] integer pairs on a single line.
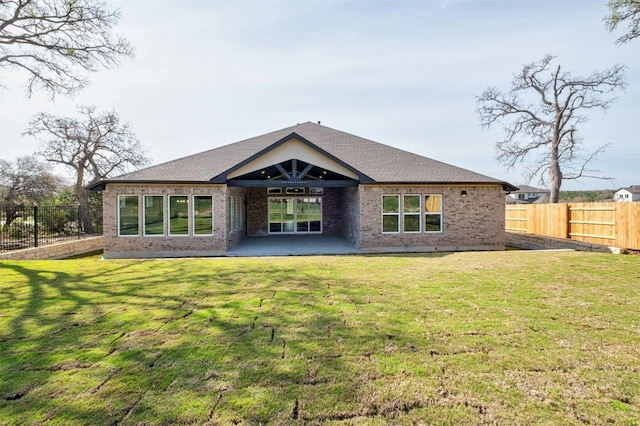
[[465, 338]]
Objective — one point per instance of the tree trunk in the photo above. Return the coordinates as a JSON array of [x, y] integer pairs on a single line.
[[84, 212], [11, 214], [555, 175]]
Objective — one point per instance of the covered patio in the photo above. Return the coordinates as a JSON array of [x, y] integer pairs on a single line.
[[292, 245]]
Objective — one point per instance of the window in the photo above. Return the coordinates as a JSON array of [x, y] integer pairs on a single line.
[[433, 213], [411, 213], [390, 213], [295, 190], [178, 215], [202, 215], [153, 215], [128, 215], [235, 213]]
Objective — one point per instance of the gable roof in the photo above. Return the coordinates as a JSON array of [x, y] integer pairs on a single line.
[[633, 189], [373, 161]]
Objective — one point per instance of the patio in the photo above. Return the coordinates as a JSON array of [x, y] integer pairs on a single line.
[[292, 245]]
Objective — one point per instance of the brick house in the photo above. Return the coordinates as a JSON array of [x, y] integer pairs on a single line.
[[303, 180]]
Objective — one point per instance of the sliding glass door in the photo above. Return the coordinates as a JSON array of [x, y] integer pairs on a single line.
[[300, 215]]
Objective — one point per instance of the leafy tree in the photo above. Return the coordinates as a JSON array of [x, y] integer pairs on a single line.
[[624, 12], [25, 182], [541, 114], [57, 42], [93, 147]]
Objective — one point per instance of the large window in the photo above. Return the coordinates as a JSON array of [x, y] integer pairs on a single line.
[[178, 215], [411, 213], [175, 215], [128, 215], [390, 213], [405, 213], [433, 213], [203, 215], [153, 215]]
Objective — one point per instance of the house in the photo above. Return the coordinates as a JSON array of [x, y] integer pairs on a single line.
[[631, 193], [528, 195], [303, 180]]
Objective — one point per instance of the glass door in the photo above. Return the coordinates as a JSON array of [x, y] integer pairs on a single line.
[[300, 215]]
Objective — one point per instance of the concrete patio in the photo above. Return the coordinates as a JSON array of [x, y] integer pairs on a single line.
[[292, 245]]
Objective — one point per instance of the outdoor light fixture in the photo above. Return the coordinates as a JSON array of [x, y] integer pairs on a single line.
[[463, 193]]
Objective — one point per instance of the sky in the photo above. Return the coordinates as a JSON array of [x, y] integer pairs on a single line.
[[208, 73]]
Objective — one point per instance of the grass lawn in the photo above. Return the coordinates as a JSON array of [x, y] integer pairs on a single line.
[[466, 338]]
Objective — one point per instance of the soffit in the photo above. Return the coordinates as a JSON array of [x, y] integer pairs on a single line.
[[292, 149]]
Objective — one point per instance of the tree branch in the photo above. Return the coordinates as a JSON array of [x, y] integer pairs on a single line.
[[546, 131], [52, 40]]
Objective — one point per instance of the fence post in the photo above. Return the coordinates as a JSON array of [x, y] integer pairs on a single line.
[[35, 225], [567, 221]]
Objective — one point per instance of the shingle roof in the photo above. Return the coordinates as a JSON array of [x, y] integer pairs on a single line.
[[633, 189], [381, 163]]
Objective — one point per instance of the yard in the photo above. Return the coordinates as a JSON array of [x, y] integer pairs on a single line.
[[466, 338]]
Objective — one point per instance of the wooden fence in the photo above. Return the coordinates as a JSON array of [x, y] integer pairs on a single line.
[[610, 224]]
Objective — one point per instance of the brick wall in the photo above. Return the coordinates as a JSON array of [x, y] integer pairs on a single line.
[[471, 222], [163, 246], [56, 251], [332, 217], [350, 206], [257, 216]]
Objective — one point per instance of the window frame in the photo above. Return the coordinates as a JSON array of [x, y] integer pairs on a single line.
[[418, 214], [193, 215], [144, 215], [169, 233], [383, 214], [440, 213], [137, 197]]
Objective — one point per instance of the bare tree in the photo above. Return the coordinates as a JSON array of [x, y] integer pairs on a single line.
[[57, 42], [621, 12], [26, 181], [94, 147], [541, 114]]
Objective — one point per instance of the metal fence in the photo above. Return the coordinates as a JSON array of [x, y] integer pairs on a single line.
[[25, 227]]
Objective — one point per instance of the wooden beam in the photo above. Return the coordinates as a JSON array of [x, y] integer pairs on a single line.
[[245, 183], [283, 171], [304, 172]]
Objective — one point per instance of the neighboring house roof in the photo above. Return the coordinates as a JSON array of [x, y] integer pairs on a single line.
[[542, 199], [531, 189], [374, 162], [634, 189]]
